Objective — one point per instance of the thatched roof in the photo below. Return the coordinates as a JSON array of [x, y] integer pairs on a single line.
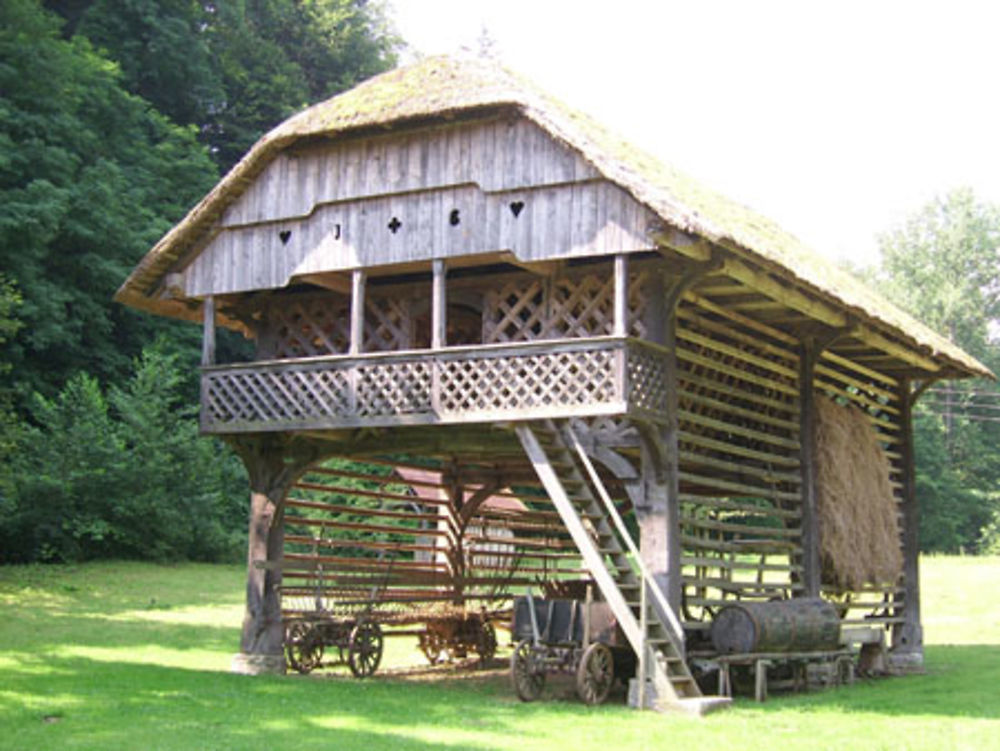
[[443, 87]]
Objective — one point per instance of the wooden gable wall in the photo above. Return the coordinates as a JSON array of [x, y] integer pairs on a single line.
[[455, 190]]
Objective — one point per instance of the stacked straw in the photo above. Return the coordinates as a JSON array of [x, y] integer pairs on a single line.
[[858, 526]]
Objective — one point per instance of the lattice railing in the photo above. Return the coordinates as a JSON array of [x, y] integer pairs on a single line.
[[582, 378], [563, 307]]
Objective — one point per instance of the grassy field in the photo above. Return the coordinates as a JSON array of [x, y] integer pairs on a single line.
[[133, 656]]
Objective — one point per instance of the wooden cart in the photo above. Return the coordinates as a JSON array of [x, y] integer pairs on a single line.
[[580, 637], [358, 643], [455, 633]]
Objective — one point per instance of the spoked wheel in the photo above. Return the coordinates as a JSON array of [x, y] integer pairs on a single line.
[[486, 644], [303, 646], [595, 674], [525, 674], [364, 652]]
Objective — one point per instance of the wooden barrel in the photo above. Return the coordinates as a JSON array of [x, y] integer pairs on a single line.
[[802, 625]]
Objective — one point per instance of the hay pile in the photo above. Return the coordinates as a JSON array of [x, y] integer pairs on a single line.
[[858, 526]]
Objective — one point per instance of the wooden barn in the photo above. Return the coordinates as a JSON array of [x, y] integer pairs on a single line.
[[497, 348]]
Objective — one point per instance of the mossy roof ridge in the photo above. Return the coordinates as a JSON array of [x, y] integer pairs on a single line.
[[439, 87]]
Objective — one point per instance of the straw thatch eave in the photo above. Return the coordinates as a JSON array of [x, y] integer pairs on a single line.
[[446, 89]]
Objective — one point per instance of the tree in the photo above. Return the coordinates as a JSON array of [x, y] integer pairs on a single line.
[[122, 475], [90, 177], [10, 299], [276, 56], [162, 49], [235, 69], [943, 265]]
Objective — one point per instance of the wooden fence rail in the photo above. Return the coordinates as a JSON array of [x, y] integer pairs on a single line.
[[524, 381]]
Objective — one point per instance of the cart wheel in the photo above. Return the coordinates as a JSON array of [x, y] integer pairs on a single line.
[[303, 646], [430, 645], [486, 644], [528, 680], [595, 674], [365, 649]]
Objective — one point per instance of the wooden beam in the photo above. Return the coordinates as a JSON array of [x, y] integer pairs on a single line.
[[684, 243], [687, 245], [331, 280], [357, 312]]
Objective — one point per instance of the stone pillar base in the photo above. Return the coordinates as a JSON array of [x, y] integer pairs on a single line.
[[906, 663], [247, 664]]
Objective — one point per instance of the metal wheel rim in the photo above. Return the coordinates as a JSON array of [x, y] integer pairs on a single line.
[[595, 674], [303, 648], [527, 680], [365, 649]]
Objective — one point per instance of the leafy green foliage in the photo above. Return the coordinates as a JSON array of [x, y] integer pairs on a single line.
[[90, 177], [113, 117], [943, 266], [237, 68], [10, 299], [122, 475]]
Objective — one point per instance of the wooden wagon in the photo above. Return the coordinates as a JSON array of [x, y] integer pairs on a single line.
[[350, 616], [580, 637]]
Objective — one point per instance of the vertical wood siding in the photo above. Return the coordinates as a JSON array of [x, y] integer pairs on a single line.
[[456, 191]]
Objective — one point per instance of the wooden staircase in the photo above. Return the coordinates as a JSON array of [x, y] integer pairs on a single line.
[[607, 549]]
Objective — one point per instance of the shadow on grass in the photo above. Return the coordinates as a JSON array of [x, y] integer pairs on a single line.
[[122, 705], [960, 682]]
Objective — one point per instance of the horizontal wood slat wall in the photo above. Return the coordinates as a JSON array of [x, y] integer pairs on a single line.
[[739, 460], [360, 536]]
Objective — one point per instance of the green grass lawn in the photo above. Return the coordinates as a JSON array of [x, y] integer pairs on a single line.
[[135, 656]]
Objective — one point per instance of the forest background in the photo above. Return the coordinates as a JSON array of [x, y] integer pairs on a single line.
[[117, 116]]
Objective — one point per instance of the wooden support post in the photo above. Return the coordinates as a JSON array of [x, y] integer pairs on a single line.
[[760, 679], [208, 338], [621, 296], [807, 457], [811, 349], [273, 464], [439, 306], [907, 637], [357, 312], [659, 515], [439, 328]]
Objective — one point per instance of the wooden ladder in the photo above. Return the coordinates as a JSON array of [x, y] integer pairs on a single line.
[[613, 560]]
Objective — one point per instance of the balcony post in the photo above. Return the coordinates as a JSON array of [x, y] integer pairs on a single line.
[[208, 337], [357, 312], [439, 305], [439, 328], [356, 345], [620, 326]]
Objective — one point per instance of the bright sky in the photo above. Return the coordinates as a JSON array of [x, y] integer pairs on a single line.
[[836, 119]]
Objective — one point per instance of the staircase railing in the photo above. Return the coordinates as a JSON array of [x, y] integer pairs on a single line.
[[644, 574]]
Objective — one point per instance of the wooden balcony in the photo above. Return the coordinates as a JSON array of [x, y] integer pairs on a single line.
[[486, 383]]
